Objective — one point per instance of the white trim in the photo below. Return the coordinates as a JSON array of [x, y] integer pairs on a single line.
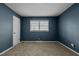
[[6, 50], [69, 48], [38, 41]]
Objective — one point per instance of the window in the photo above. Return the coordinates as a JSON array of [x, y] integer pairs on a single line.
[[39, 25], [34, 25], [44, 25]]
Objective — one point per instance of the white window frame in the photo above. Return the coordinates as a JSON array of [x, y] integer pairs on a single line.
[[40, 28]]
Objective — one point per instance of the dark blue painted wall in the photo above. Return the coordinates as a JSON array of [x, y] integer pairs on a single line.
[[6, 25], [69, 27], [26, 35]]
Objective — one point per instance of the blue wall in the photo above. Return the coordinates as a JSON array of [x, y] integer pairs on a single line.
[[26, 35], [6, 25], [69, 27]]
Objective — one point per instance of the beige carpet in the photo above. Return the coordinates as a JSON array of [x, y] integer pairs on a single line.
[[39, 49]]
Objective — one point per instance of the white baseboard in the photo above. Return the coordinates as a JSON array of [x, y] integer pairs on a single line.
[[69, 48], [6, 50], [38, 41]]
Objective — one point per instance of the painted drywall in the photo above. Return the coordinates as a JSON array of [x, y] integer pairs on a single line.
[[6, 27], [26, 35], [69, 27]]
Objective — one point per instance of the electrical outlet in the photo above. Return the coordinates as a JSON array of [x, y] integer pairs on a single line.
[[38, 38], [72, 45]]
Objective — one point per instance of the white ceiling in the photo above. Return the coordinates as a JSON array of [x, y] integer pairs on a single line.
[[39, 9]]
